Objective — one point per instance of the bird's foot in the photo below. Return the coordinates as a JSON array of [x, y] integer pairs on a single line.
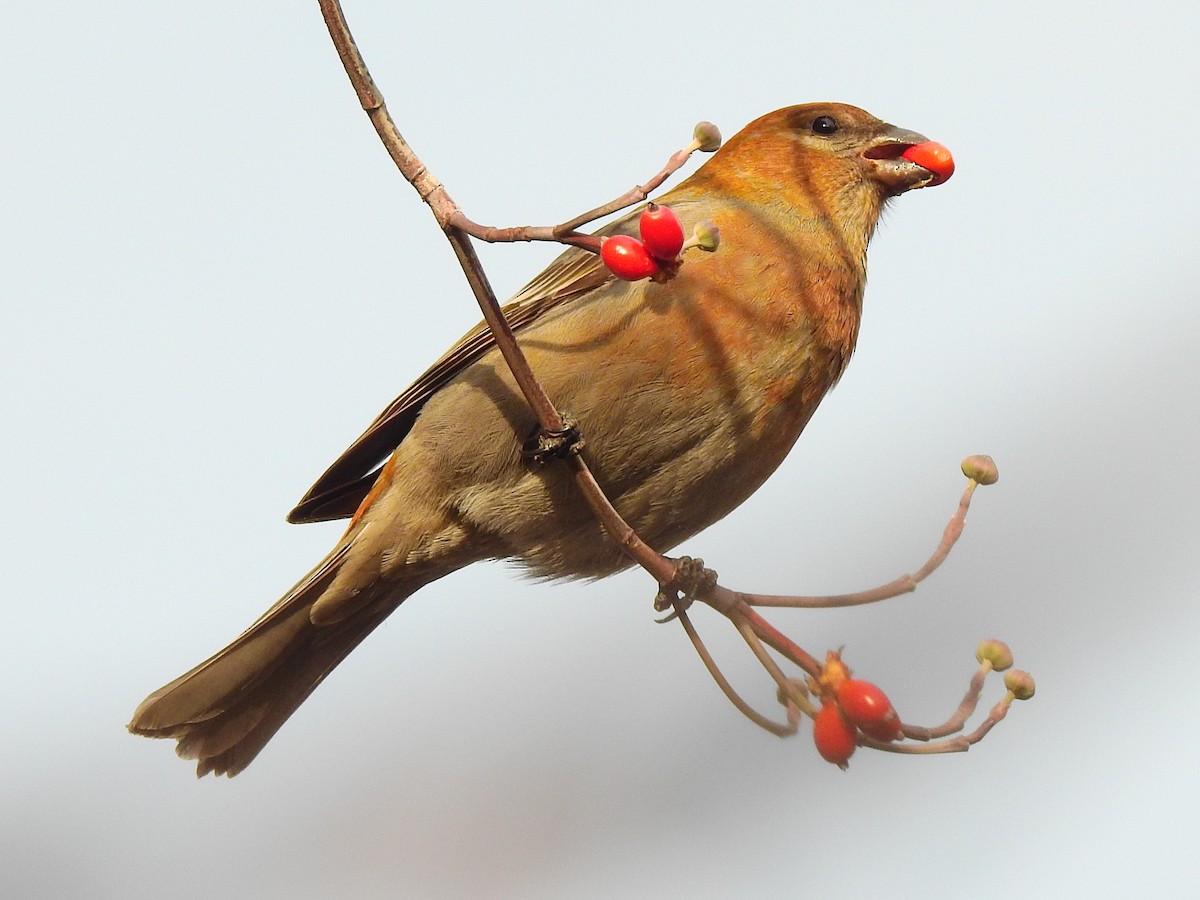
[[543, 445], [691, 581]]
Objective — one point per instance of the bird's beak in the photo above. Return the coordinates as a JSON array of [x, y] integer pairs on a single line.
[[886, 163]]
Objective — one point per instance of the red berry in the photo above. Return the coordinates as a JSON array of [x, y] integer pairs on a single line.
[[661, 232], [627, 257], [932, 156], [867, 707], [833, 735]]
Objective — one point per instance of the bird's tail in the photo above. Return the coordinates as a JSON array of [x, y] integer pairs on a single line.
[[225, 710]]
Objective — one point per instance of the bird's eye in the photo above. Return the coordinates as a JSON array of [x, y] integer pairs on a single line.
[[824, 125]]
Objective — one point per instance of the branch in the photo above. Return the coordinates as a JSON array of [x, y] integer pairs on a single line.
[[905, 584], [447, 213], [705, 137]]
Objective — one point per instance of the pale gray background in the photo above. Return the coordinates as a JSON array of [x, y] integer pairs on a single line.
[[213, 279]]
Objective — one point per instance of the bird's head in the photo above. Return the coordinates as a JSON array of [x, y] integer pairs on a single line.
[[829, 161], [835, 143]]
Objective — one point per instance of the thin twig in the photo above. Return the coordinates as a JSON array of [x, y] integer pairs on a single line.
[[446, 211], [960, 715], [409, 164], [958, 744], [951, 534], [635, 194], [567, 232], [661, 568], [743, 707], [787, 687], [776, 639], [905, 584]]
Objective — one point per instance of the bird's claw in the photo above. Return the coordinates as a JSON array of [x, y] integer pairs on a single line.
[[544, 445], [691, 581]]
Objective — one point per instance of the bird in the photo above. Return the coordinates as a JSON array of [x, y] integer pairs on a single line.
[[689, 392]]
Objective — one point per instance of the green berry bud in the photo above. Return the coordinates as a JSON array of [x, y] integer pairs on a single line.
[[707, 137], [706, 235], [996, 653], [1020, 684], [981, 469]]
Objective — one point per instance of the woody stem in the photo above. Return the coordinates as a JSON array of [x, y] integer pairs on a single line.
[[448, 213]]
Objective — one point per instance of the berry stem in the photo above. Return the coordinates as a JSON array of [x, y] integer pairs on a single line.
[[723, 683], [905, 584], [787, 686]]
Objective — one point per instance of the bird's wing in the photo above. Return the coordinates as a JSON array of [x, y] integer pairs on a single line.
[[338, 493]]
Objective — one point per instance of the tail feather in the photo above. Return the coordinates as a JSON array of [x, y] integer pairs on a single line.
[[224, 711], [227, 743]]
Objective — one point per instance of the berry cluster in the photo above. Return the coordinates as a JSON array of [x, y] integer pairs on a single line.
[[850, 706], [856, 712], [661, 243]]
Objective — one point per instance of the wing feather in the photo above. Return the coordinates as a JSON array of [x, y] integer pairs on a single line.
[[338, 492]]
